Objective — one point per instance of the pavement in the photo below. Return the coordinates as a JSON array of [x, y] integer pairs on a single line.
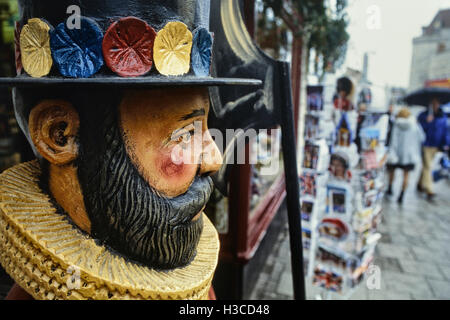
[[413, 254]]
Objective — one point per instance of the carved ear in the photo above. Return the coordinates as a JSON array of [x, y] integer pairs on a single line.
[[53, 126]]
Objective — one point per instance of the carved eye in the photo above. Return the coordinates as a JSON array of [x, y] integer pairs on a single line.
[[185, 138]]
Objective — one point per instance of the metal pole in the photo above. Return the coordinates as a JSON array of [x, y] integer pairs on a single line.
[[288, 142]]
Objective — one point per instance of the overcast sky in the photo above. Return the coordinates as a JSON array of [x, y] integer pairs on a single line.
[[386, 28]]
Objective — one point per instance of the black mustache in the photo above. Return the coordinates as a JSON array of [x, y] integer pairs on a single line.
[[186, 206]]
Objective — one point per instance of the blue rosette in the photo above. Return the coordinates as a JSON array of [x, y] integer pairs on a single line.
[[201, 52], [77, 52]]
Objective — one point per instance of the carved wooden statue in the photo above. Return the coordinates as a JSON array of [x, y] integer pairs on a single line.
[[108, 94]]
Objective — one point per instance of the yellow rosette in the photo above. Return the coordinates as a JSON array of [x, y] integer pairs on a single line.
[[35, 48], [172, 49]]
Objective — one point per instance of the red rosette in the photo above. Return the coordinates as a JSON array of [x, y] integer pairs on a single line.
[[17, 54], [128, 47]]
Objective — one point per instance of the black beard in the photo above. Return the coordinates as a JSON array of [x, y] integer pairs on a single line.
[[125, 213]]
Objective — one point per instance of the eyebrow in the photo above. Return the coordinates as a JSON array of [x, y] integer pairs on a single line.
[[193, 114]]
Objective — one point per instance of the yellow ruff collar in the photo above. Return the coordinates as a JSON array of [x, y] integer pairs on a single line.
[[41, 251]]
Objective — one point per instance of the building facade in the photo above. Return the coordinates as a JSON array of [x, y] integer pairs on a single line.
[[431, 52]]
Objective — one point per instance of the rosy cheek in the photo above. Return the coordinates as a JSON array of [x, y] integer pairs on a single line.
[[174, 168], [169, 168]]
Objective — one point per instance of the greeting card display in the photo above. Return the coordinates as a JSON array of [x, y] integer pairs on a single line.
[[314, 173], [315, 98], [367, 180], [311, 156], [333, 259], [338, 200], [316, 156], [367, 235], [327, 279], [349, 153], [339, 166], [333, 229], [312, 129], [370, 199], [342, 104], [330, 269], [376, 121], [306, 209], [370, 138], [360, 265], [344, 133], [306, 238], [308, 183], [369, 160], [341, 189], [363, 220]]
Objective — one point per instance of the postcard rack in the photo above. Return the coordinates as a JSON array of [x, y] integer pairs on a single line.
[[341, 197]]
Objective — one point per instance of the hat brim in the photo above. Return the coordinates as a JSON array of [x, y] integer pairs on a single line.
[[153, 81]]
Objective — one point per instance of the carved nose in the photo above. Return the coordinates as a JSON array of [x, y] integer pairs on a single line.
[[211, 156]]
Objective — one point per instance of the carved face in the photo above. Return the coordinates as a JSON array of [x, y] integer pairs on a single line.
[[167, 140], [141, 161], [141, 199]]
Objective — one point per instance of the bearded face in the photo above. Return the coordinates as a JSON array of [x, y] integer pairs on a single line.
[[140, 199], [131, 217]]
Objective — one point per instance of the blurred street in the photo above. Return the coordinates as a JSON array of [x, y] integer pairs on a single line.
[[413, 254], [145, 116]]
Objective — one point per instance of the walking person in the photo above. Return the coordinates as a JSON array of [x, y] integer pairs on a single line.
[[404, 148], [434, 124]]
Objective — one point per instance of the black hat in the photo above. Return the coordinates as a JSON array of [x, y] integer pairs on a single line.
[[115, 42]]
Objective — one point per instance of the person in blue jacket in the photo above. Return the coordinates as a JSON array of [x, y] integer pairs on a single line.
[[434, 124]]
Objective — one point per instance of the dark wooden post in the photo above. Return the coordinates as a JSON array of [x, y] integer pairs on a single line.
[[296, 76], [288, 142]]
